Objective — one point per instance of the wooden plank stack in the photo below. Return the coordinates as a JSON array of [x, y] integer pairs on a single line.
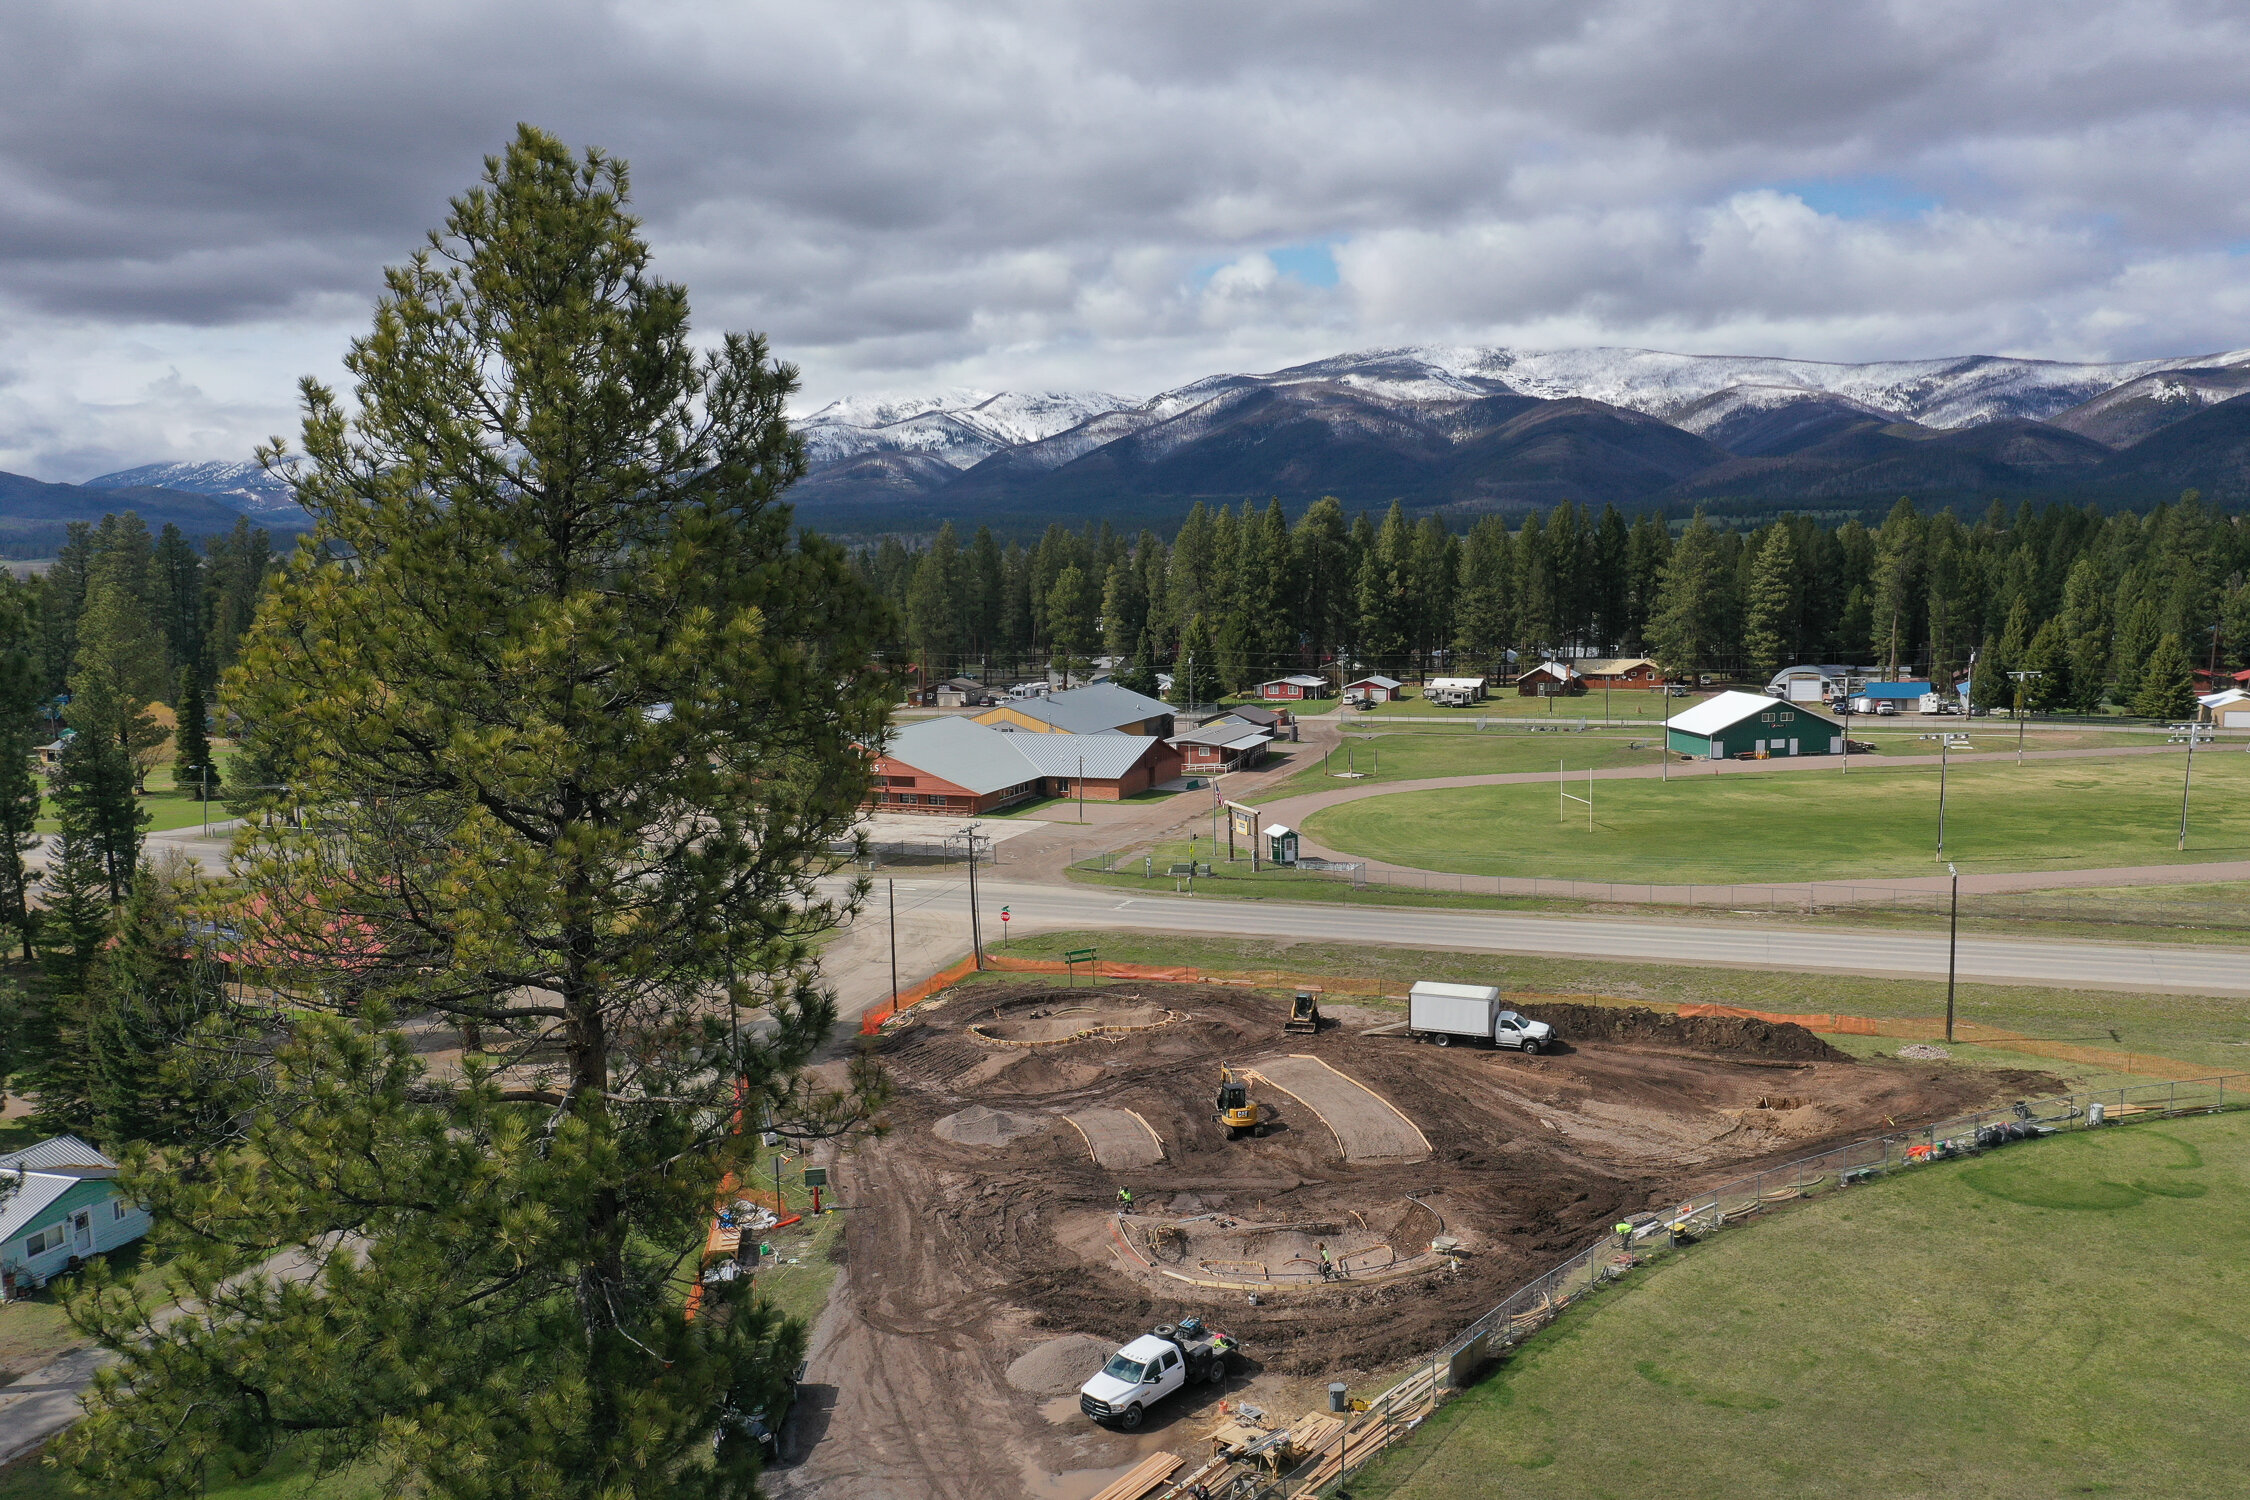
[[1142, 1477]]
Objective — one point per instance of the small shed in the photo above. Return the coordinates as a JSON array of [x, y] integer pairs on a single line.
[[62, 1206], [1281, 843], [1376, 689], [1748, 724], [1297, 686]]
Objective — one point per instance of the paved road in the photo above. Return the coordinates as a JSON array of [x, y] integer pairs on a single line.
[[1803, 948]]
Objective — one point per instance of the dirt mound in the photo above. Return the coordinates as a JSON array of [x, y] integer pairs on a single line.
[[978, 1126], [1045, 1028], [1741, 1035], [1059, 1366]]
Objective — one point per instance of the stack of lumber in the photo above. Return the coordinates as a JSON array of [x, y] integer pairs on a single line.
[[1142, 1477]]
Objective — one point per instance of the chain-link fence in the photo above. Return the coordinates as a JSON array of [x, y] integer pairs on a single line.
[[1360, 1436]]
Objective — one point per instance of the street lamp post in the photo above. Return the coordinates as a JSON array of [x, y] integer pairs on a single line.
[[2021, 678], [1952, 949]]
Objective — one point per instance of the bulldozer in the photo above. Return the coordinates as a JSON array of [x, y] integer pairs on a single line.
[[1304, 1013], [1238, 1112]]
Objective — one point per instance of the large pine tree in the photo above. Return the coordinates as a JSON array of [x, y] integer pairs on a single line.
[[575, 714]]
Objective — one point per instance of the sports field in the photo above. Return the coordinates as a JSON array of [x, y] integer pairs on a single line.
[[1812, 825], [2064, 1317]]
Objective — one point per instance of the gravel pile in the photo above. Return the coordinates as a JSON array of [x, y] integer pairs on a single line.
[[1924, 1052], [978, 1126], [1059, 1366]]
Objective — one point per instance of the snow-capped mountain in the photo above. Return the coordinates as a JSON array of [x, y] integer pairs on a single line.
[[1479, 428], [1957, 392], [960, 427], [241, 486]]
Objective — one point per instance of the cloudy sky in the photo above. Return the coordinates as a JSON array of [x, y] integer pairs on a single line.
[[196, 201]]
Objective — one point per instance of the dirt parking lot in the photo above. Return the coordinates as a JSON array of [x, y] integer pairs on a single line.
[[983, 1229]]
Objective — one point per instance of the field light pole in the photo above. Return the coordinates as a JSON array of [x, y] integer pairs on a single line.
[[2021, 678], [1952, 948], [1945, 744], [2191, 732]]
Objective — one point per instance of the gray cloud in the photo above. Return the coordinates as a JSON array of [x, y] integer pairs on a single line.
[[196, 202]]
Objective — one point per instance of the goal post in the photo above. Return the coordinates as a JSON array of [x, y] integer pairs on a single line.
[[1564, 796]]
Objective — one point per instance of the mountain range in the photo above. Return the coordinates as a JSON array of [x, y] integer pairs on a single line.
[[1454, 430], [1467, 430]]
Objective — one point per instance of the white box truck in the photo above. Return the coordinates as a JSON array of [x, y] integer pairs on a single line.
[[1446, 1013]]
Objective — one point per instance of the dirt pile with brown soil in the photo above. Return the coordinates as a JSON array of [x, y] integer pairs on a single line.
[[1735, 1036], [963, 1256]]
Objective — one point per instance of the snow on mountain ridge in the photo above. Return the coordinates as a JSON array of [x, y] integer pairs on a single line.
[[240, 484], [960, 427]]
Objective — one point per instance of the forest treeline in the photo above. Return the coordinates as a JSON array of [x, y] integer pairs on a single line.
[[2107, 608]]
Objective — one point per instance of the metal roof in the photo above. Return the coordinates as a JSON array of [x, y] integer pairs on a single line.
[[43, 1173], [1376, 681], [1249, 713], [61, 1151], [1226, 730], [1880, 690], [979, 758], [1299, 680], [1090, 710], [972, 756], [1729, 709], [1097, 757]]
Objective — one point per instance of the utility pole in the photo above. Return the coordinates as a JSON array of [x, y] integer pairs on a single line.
[[1081, 791], [2021, 678], [976, 931], [1945, 744], [1952, 950], [892, 885]]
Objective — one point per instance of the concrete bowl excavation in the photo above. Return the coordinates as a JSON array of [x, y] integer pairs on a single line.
[[1398, 1192]]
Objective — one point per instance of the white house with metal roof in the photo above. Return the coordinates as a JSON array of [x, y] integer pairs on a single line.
[[61, 1204]]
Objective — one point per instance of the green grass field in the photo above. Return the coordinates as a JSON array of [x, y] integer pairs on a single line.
[[2064, 1317], [1812, 825], [1507, 703]]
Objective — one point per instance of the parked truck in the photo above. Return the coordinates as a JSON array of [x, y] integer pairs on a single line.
[[1447, 1013], [1165, 1359]]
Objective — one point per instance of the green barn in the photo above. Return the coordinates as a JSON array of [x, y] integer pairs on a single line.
[[1735, 724]]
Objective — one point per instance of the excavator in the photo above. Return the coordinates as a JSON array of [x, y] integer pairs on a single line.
[[1237, 1110]]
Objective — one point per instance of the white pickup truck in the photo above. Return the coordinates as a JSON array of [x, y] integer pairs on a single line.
[[1153, 1366]]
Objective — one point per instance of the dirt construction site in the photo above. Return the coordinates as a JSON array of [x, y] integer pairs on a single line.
[[991, 1266]]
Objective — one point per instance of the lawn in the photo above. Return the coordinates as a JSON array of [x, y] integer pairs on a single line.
[[1404, 755], [1506, 703], [2206, 1033], [1811, 825], [167, 806], [2064, 1317]]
